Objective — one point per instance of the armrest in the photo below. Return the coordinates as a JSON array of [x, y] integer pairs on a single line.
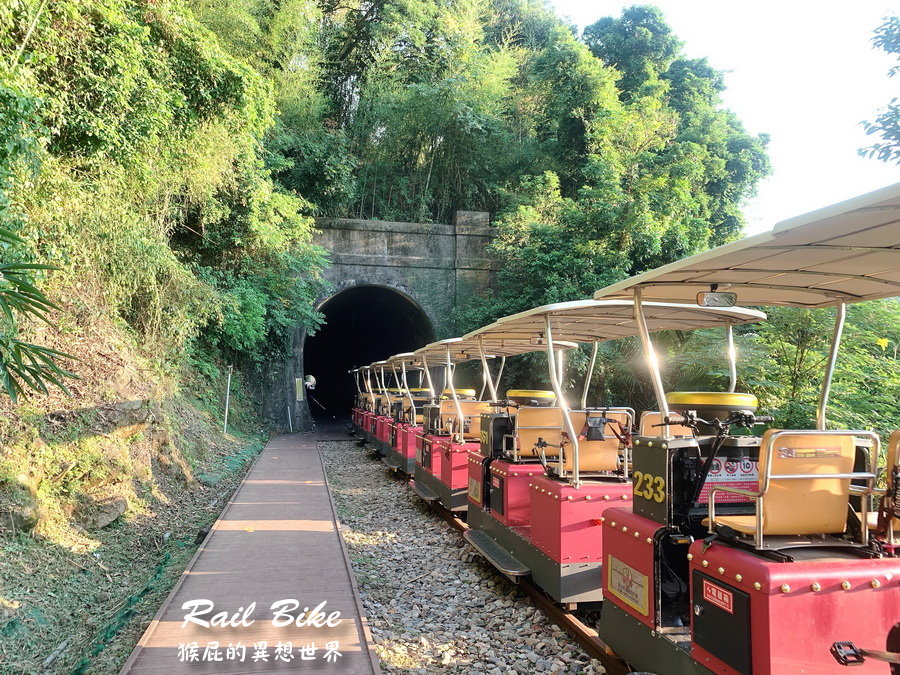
[[712, 501]]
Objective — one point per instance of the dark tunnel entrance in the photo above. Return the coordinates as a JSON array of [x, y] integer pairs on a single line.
[[362, 324]]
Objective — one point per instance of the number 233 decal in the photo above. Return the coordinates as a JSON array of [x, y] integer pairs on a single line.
[[649, 487]]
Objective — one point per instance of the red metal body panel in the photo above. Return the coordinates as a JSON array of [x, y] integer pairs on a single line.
[[382, 428], [792, 626], [399, 432], [517, 480], [564, 521], [455, 464], [420, 442], [393, 425], [406, 440], [628, 568], [476, 487], [435, 444], [369, 422]]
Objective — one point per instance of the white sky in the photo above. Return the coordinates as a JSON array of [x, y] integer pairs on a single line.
[[804, 72]]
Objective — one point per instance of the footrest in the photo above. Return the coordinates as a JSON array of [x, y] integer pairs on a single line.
[[423, 491], [393, 466], [498, 556]]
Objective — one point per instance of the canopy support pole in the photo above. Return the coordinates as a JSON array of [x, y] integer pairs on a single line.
[[369, 388], [732, 358], [588, 375], [500, 373], [555, 369], [652, 360], [427, 372], [485, 370], [412, 401], [459, 412], [839, 317]]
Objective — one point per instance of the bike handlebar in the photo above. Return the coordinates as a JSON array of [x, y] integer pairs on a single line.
[[745, 419]]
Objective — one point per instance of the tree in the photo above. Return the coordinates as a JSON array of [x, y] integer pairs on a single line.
[[887, 124]]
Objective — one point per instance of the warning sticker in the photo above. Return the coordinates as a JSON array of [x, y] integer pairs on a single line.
[[740, 472], [475, 490], [627, 584], [718, 596]]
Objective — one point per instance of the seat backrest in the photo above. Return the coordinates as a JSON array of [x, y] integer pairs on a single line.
[[534, 423], [596, 455], [893, 460], [649, 420], [806, 505], [471, 411], [387, 403]]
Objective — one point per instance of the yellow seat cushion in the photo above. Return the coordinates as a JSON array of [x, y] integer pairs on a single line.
[[745, 524]]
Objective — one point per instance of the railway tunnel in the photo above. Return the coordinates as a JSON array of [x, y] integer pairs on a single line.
[[362, 324]]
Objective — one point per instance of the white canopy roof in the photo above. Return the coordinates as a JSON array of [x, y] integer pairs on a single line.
[[411, 360], [600, 320], [846, 252]]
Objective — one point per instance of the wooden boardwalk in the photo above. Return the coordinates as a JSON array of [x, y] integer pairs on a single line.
[[276, 540]]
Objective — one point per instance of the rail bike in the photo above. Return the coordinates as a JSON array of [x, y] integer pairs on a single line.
[[712, 539]]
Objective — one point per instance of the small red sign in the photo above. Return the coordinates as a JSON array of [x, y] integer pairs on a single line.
[[718, 596]]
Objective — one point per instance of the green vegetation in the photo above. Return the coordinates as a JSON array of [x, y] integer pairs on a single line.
[[160, 164]]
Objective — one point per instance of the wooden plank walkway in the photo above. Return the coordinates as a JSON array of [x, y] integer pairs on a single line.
[[277, 539]]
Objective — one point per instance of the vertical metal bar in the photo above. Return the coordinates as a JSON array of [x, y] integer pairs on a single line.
[[652, 360], [381, 383], [412, 401], [839, 317], [369, 387], [400, 385], [500, 373], [290, 423], [561, 402], [486, 371], [428, 377], [561, 366], [732, 358], [459, 412], [227, 399], [587, 376]]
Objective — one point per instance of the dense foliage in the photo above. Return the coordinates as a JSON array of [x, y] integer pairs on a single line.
[[135, 164], [636, 164], [167, 156]]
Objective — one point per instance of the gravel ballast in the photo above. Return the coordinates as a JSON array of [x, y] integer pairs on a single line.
[[434, 606]]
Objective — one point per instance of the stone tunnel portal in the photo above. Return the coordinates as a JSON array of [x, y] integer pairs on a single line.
[[362, 324]]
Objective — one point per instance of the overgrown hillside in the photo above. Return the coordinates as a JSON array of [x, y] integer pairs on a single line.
[[132, 161]]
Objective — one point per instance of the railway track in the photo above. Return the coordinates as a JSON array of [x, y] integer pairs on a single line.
[[584, 635]]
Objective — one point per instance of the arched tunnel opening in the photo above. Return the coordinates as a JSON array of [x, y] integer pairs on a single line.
[[362, 324]]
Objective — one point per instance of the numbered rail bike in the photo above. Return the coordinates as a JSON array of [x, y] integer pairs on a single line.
[[546, 472], [798, 576], [732, 551]]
